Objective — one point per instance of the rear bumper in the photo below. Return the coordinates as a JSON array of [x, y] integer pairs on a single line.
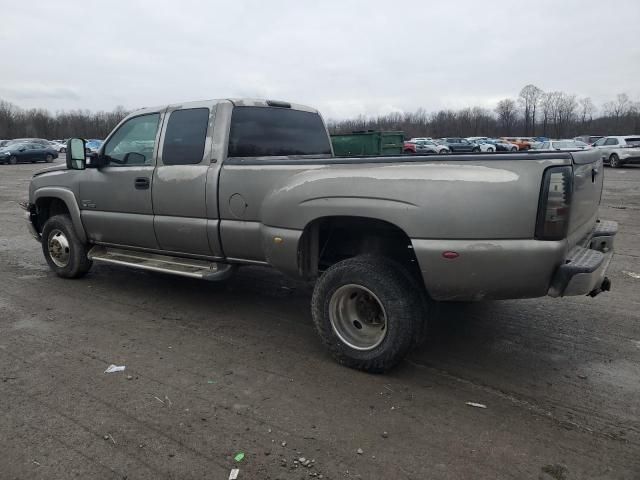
[[584, 270], [509, 269]]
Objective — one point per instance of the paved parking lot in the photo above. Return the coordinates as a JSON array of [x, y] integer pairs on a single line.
[[217, 369]]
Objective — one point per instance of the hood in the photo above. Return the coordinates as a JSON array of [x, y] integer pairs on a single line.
[[55, 168]]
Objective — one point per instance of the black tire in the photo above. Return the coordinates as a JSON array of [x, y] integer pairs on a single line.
[[13, 159], [475, 150], [402, 302], [63, 150], [490, 150], [49, 158], [78, 263], [614, 161], [514, 149]]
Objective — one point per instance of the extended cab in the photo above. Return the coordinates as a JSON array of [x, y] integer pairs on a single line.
[[199, 189]]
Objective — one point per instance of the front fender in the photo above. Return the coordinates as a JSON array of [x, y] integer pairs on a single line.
[[69, 200]]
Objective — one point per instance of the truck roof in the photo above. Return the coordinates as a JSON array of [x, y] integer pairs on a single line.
[[239, 102]]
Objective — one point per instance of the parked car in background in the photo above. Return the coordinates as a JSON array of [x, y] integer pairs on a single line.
[[502, 145], [483, 143], [457, 144], [40, 141], [58, 145], [618, 150], [568, 145], [424, 146], [27, 152], [415, 139], [521, 143], [590, 139], [93, 145], [3, 143]]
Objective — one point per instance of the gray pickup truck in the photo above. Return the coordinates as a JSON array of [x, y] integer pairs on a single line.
[[201, 188]]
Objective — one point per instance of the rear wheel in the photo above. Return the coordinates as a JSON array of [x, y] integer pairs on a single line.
[[475, 150], [514, 149], [13, 160], [63, 150], [614, 161], [62, 249], [490, 150], [49, 158], [368, 312]]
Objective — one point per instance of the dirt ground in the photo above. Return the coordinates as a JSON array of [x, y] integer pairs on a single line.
[[213, 370]]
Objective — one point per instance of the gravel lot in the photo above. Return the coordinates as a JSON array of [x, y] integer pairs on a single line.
[[217, 369]]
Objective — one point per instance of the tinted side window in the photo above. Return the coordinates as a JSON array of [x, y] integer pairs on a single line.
[[600, 142], [270, 131], [136, 135], [185, 136], [611, 141]]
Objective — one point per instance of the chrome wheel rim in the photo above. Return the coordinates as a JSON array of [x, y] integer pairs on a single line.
[[357, 317], [59, 249]]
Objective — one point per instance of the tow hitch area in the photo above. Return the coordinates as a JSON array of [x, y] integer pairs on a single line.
[[605, 286]]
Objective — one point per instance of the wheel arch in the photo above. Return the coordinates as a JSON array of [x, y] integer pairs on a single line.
[[329, 239], [50, 201]]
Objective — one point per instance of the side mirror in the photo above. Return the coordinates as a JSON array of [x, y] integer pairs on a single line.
[[76, 156]]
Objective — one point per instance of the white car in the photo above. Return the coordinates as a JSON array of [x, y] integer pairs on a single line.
[[60, 147], [562, 145], [617, 150], [483, 144]]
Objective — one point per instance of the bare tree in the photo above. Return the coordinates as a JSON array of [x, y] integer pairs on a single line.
[[507, 114], [587, 109], [529, 99], [618, 108]]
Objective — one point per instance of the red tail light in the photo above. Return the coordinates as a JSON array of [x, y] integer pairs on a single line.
[[555, 203]]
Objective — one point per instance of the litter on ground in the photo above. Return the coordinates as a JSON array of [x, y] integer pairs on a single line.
[[115, 368]]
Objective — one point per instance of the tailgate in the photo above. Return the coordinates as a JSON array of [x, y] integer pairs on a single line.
[[588, 175]]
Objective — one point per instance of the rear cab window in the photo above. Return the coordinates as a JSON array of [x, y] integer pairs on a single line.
[[633, 141], [276, 132]]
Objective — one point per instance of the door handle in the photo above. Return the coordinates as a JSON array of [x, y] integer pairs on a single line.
[[142, 183]]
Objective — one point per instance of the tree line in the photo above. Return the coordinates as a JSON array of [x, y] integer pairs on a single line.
[[16, 122], [533, 113]]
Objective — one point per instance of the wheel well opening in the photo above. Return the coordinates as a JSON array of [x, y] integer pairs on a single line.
[[329, 240], [48, 207]]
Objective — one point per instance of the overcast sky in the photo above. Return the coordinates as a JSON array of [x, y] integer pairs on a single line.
[[344, 57]]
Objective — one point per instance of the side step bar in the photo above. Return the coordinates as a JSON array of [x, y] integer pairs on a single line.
[[187, 267]]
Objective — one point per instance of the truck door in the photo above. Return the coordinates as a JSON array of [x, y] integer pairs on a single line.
[[115, 200], [183, 222]]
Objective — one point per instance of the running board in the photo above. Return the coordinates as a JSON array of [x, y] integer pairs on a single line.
[[187, 267]]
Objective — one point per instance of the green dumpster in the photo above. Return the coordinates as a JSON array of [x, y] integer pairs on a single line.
[[370, 142]]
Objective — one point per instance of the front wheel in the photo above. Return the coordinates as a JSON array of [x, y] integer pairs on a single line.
[[514, 149], [614, 161], [13, 160], [368, 312], [490, 150], [63, 250], [63, 150], [475, 150]]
